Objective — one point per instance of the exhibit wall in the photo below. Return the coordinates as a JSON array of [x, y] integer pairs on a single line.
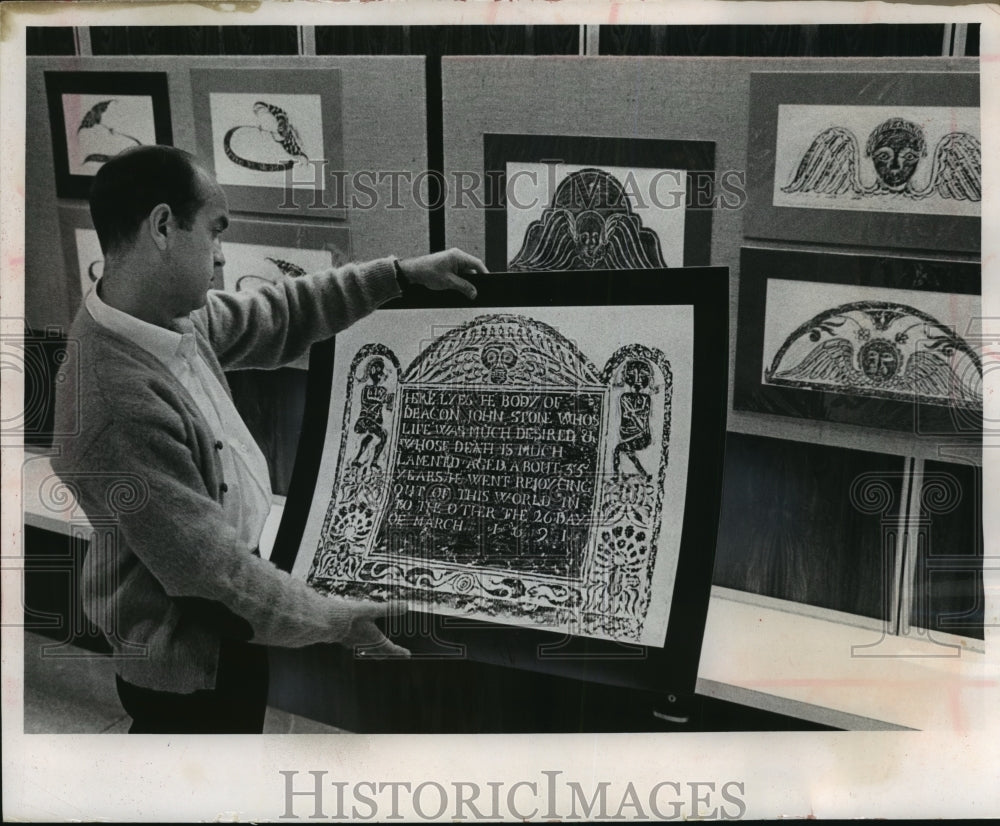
[[382, 125], [663, 98], [803, 536]]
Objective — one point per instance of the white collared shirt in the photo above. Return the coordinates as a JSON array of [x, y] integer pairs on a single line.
[[247, 500]]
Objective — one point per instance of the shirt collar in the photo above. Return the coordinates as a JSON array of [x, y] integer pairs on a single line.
[[160, 342]]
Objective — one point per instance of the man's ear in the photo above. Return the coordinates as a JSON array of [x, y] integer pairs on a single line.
[[161, 225]]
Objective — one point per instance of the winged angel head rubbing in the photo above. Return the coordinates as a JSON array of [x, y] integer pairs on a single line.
[[589, 225], [896, 149], [272, 132], [882, 349]]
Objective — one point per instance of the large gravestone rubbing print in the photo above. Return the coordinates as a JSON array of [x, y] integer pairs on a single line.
[[496, 471]]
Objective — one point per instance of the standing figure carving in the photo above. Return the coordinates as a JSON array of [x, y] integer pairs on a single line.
[[635, 407], [374, 398]]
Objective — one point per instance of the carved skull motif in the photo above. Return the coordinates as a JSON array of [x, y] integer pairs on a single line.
[[498, 359]]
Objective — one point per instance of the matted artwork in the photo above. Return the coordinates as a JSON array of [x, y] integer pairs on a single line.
[[504, 470], [81, 247], [95, 115], [879, 160], [916, 160], [582, 203], [272, 137], [859, 339], [261, 252], [515, 463]]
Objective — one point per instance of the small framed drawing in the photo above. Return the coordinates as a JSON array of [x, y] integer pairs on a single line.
[[95, 115], [261, 252], [81, 249], [272, 137], [879, 160], [538, 472], [880, 342], [562, 202]]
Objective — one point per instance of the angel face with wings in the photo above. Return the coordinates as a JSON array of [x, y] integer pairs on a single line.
[[832, 164], [882, 349], [590, 225]]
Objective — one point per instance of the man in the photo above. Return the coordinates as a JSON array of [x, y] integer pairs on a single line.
[[162, 455]]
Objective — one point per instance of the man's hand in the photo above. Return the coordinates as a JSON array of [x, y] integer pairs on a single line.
[[443, 270], [366, 637]]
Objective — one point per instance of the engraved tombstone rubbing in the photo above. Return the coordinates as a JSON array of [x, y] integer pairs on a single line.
[[501, 474]]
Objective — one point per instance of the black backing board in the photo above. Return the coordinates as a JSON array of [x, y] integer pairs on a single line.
[[672, 668]]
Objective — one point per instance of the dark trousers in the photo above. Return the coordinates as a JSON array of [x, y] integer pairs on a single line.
[[235, 706]]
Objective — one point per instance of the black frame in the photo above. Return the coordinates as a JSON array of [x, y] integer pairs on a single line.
[[672, 668], [758, 265], [151, 84], [842, 226], [691, 156]]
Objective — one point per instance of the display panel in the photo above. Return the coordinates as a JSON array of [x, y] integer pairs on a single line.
[[272, 137], [797, 525], [946, 559], [563, 202], [523, 462], [885, 160], [873, 341]]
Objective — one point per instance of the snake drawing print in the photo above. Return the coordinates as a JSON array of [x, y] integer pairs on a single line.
[[275, 122]]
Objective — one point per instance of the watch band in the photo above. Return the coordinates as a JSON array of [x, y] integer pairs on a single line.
[[401, 278]]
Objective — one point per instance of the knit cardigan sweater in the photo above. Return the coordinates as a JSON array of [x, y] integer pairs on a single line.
[[165, 577]]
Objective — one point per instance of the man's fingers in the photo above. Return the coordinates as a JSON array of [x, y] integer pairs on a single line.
[[378, 610], [384, 650], [464, 262], [456, 282], [379, 647]]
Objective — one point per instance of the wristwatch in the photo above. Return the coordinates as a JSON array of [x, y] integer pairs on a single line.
[[401, 278]]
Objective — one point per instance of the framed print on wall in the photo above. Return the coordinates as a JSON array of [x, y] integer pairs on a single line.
[[81, 250], [261, 252], [532, 470], [272, 137], [561, 202], [873, 341], [95, 115], [884, 160]]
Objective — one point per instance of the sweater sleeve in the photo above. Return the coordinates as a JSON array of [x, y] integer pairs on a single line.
[[277, 324], [178, 531]]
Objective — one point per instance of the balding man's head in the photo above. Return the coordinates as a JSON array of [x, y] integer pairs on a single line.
[[131, 184]]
